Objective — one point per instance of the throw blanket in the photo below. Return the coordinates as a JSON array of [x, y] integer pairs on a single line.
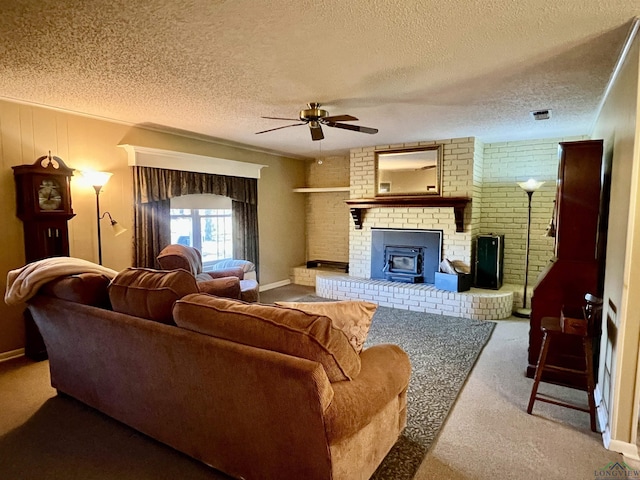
[[23, 283]]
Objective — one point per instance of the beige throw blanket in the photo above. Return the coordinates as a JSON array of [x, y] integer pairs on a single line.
[[23, 283]]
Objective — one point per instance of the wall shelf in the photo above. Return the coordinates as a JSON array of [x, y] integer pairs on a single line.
[[320, 189], [359, 205]]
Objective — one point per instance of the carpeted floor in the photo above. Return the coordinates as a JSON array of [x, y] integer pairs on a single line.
[[443, 351]]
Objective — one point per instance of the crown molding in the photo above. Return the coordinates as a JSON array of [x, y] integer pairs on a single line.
[[171, 160]]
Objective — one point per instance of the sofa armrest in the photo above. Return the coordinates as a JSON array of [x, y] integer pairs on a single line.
[[384, 375], [249, 291], [228, 287], [227, 272]]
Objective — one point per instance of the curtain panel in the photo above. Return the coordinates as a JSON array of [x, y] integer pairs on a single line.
[[153, 189]]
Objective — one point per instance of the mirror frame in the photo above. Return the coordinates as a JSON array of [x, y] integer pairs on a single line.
[[437, 191]]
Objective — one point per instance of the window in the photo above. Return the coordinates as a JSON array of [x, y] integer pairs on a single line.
[[207, 229]]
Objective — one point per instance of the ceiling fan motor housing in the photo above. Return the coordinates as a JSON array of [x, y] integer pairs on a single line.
[[313, 113]]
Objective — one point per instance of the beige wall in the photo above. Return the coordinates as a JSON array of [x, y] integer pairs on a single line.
[[27, 132], [619, 125], [327, 214]]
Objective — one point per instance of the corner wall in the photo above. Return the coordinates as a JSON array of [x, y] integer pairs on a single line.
[[499, 205], [619, 376]]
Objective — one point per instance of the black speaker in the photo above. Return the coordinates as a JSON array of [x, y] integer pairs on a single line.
[[489, 260]]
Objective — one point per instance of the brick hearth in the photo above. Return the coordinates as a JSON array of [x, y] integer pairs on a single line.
[[476, 304]]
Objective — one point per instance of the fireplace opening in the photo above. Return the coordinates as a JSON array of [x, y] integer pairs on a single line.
[[403, 264], [403, 255]]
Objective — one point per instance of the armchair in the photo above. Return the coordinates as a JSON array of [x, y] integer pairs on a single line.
[[176, 256]]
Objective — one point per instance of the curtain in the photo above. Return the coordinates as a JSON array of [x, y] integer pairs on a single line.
[[152, 229], [245, 231], [153, 190]]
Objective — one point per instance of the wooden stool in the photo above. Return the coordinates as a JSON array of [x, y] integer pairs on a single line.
[[555, 327]]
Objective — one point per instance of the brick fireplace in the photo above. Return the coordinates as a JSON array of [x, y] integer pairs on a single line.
[[461, 178]]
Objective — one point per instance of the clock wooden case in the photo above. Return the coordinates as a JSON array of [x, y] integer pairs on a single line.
[[43, 199]]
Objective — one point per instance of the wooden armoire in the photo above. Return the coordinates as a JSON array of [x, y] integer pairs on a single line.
[[577, 267]]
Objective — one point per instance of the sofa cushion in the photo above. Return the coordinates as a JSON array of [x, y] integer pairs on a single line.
[[85, 288], [149, 293], [283, 330], [353, 317]]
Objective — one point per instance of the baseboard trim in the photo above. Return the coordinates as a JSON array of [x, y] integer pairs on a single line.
[[271, 286], [629, 450], [11, 354], [601, 412]]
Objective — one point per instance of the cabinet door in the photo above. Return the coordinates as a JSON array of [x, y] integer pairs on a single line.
[[578, 200]]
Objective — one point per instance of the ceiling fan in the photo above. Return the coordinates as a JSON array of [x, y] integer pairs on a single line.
[[315, 117]]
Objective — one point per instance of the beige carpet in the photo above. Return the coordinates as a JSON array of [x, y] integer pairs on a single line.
[[487, 435]]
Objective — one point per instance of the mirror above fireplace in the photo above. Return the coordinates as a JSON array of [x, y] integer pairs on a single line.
[[415, 171]]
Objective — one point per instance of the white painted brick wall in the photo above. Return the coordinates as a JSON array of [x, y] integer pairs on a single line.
[[504, 203]]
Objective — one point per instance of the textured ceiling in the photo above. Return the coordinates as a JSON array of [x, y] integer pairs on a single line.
[[414, 69]]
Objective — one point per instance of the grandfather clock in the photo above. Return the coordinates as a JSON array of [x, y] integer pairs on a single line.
[[43, 198]]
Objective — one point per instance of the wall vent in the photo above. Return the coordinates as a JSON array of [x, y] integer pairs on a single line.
[[541, 114]]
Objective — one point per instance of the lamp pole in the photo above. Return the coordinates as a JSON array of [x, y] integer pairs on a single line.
[[97, 180], [98, 188], [529, 187], [526, 256]]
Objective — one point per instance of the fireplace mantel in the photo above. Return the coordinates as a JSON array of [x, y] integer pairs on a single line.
[[359, 205]]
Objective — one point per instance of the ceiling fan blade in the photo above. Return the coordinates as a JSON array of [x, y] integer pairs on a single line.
[[278, 128], [280, 118], [316, 133], [340, 118], [356, 128]]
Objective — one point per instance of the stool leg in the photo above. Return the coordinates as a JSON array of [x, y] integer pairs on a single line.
[[588, 351], [546, 340]]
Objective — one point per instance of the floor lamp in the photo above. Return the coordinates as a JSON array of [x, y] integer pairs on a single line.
[[529, 186], [98, 180]]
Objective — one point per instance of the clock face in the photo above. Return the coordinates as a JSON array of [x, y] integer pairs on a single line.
[[49, 196]]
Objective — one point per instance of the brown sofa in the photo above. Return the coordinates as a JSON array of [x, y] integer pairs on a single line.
[[256, 391]]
